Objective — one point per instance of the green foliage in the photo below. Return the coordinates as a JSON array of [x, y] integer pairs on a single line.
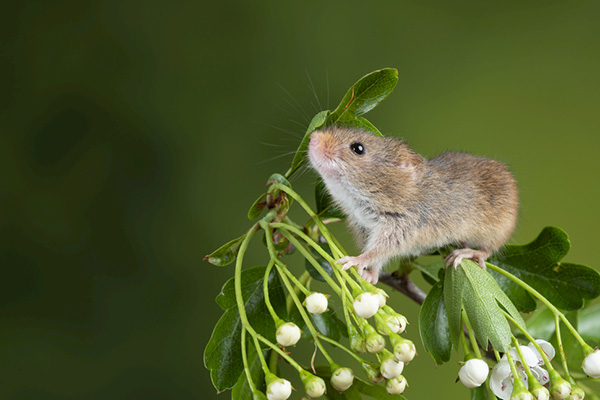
[[322, 262], [355, 392], [225, 254], [538, 263], [434, 326], [222, 355], [241, 390], [471, 288]]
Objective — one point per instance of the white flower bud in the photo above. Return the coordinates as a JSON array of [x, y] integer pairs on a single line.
[[473, 373], [560, 391], [382, 297], [316, 303], [315, 387], [394, 323], [391, 368], [366, 305], [279, 389], [288, 334], [396, 385], [405, 351], [541, 393], [342, 379], [577, 393], [591, 364], [523, 395]]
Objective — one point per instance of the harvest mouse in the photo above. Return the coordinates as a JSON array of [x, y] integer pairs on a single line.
[[400, 204]]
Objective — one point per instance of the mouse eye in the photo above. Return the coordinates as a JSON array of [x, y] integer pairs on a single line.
[[357, 148]]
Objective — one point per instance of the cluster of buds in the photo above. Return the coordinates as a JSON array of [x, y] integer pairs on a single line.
[[535, 380]]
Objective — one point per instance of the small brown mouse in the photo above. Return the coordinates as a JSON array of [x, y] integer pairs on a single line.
[[400, 204]]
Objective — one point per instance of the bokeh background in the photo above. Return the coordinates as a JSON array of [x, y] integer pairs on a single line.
[[134, 135]]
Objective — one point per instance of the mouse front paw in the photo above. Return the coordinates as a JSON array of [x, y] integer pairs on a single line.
[[347, 262]]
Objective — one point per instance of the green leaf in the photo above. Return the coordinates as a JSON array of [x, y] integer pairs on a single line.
[[359, 123], [519, 296], [257, 207], [480, 393], [299, 158], [473, 289], [589, 325], [434, 327], [222, 355], [278, 178], [430, 272], [225, 254], [365, 94], [570, 345], [241, 390], [541, 324], [326, 208], [327, 324], [538, 263], [321, 260]]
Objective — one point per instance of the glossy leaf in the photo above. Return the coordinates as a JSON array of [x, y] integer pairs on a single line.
[[327, 324], [589, 325], [257, 207], [519, 296], [541, 324], [326, 208], [473, 289], [278, 178], [430, 272], [365, 94], [538, 263], [222, 355], [480, 393], [225, 254], [300, 157], [359, 123], [241, 390], [434, 327]]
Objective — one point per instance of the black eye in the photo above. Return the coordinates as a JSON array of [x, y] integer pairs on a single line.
[[357, 148]]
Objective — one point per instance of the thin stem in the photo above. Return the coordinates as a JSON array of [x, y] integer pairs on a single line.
[[291, 276], [523, 362], [238, 275], [540, 297], [266, 292], [465, 346], [283, 355], [341, 346], [305, 317], [471, 333], [245, 362], [497, 355], [563, 359], [259, 353], [531, 339]]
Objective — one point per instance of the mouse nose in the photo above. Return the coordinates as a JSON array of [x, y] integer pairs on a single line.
[[314, 140]]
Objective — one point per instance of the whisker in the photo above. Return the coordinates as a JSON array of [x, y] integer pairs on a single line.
[[312, 86], [327, 82], [306, 116]]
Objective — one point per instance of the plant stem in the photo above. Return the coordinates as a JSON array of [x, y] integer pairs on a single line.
[[238, 276], [531, 339], [266, 292], [540, 297], [465, 346], [245, 362], [471, 333], [563, 359], [341, 346], [523, 362], [283, 355]]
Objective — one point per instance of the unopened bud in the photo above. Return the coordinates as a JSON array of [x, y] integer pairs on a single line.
[[559, 388], [405, 350], [591, 364], [279, 389], [372, 371], [390, 366], [366, 305], [316, 303], [577, 393], [374, 341], [473, 373], [382, 296], [357, 341], [314, 387], [288, 334], [342, 379], [396, 385]]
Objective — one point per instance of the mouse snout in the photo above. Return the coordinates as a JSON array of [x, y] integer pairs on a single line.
[[314, 140]]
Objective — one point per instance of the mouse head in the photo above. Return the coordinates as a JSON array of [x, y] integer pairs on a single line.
[[360, 158]]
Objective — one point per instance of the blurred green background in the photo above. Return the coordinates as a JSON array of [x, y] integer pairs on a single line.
[[134, 136]]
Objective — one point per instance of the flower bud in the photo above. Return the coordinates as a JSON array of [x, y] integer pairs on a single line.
[[316, 303], [473, 373], [559, 388], [374, 341], [396, 385], [540, 393], [396, 324], [314, 386], [366, 305], [342, 379], [577, 393], [279, 389], [357, 341], [288, 334], [405, 350], [258, 395], [522, 395], [373, 372], [390, 366], [591, 364], [382, 296]]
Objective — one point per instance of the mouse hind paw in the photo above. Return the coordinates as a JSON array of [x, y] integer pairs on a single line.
[[456, 257]]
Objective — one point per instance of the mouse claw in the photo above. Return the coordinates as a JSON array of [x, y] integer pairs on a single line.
[[347, 262], [456, 257]]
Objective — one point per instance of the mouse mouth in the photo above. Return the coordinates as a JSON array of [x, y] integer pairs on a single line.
[[322, 160]]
